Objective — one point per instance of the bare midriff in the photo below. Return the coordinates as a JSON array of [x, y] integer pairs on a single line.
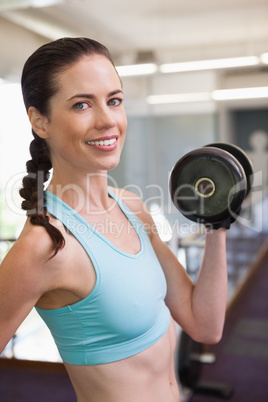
[[146, 377]]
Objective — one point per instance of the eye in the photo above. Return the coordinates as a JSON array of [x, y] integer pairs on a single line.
[[80, 106], [115, 102]]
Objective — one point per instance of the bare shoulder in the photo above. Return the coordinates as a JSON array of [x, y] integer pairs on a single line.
[[132, 201], [34, 243], [30, 255]]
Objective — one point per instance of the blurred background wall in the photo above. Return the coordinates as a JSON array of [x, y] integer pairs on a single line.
[[156, 35]]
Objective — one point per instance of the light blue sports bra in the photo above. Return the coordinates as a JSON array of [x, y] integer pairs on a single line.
[[125, 313]]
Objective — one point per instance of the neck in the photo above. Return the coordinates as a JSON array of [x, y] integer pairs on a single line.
[[87, 192]]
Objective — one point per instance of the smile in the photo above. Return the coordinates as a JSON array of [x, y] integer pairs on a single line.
[[104, 142]]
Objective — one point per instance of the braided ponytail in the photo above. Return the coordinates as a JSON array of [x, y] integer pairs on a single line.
[[33, 190]]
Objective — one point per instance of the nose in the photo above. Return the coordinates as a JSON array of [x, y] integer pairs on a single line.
[[105, 118]]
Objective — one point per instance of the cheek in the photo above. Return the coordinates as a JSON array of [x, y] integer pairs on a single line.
[[65, 127], [123, 123]]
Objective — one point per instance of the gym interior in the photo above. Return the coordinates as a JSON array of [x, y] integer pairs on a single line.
[[194, 73]]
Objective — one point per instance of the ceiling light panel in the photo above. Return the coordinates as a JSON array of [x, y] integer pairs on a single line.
[[217, 95], [209, 64], [240, 93], [264, 58], [137, 69], [7, 5], [179, 98]]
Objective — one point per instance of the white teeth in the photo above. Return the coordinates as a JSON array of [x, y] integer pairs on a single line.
[[105, 142]]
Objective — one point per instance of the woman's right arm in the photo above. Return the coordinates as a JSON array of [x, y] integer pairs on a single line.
[[25, 275]]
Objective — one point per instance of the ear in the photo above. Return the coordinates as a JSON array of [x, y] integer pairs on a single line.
[[38, 122]]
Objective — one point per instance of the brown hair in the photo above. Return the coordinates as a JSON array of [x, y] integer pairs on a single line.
[[39, 84]]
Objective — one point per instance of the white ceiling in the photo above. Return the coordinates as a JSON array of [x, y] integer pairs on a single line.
[[172, 29]]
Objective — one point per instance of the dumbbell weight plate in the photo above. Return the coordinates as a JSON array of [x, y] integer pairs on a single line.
[[240, 155], [207, 185]]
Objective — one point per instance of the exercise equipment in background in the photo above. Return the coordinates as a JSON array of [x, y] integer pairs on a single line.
[[191, 358]]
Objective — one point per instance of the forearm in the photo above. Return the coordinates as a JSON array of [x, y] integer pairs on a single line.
[[210, 292]]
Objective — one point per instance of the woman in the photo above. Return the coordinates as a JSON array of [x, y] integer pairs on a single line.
[[89, 257]]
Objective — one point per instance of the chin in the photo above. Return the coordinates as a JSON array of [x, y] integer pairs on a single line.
[[113, 164]]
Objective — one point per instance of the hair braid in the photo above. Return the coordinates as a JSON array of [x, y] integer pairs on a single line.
[[33, 190]]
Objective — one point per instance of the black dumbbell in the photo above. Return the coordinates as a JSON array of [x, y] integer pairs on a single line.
[[208, 185]]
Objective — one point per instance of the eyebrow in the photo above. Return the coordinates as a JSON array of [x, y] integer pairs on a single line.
[[92, 96]]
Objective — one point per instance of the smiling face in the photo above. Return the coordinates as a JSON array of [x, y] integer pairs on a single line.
[[86, 126]]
